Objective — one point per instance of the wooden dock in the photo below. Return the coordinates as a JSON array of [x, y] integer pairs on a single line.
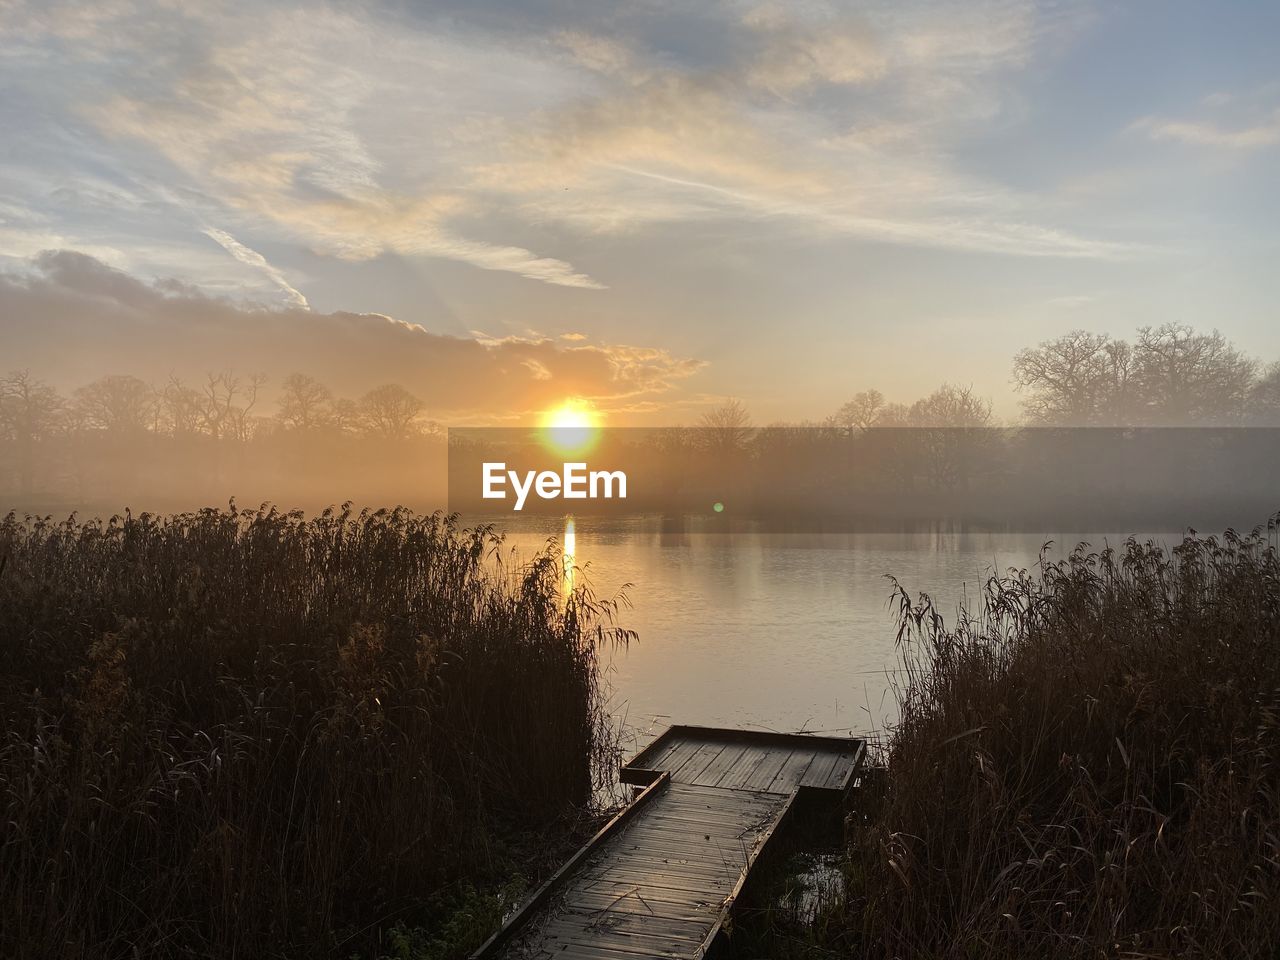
[[661, 878]]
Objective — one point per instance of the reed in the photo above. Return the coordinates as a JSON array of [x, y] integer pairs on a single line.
[[1087, 765], [257, 734]]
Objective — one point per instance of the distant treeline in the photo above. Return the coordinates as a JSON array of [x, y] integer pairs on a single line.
[[1169, 375], [894, 478], [121, 439], [173, 445]]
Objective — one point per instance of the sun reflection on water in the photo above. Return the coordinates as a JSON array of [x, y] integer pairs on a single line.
[[570, 543]]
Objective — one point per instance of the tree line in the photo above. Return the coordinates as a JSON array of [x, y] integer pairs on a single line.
[[125, 440], [121, 439], [1168, 375], [225, 406]]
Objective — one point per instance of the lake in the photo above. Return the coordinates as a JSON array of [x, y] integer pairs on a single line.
[[775, 631]]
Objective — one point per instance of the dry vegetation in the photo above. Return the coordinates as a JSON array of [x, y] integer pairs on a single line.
[[251, 734], [1089, 767]]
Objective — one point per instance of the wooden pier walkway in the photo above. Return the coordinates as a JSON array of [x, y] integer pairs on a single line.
[[661, 878]]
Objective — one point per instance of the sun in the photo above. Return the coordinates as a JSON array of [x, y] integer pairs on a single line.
[[571, 428]]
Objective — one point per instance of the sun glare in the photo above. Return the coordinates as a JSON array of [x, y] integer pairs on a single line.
[[571, 428]]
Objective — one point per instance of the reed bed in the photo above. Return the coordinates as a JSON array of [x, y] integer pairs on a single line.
[[256, 734], [1087, 765]]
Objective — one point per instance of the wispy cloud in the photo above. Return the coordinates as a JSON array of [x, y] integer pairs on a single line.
[[1264, 132], [118, 322], [252, 258], [361, 134], [754, 136]]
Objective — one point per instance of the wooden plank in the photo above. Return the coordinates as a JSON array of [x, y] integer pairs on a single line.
[[660, 882], [792, 773], [493, 946], [700, 847], [765, 773], [649, 903], [721, 764], [694, 769], [577, 951], [746, 762], [645, 868], [581, 926], [840, 772], [668, 891], [819, 770], [699, 758], [764, 754], [681, 752]]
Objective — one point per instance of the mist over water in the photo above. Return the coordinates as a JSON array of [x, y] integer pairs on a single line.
[[767, 630]]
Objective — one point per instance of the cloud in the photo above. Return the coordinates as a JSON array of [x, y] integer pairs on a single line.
[[490, 137], [1262, 133], [750, 137], [256, 260], [275, 116], [83, 319], [795, 56]]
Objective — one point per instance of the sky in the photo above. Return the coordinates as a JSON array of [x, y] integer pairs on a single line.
[[651, 205]]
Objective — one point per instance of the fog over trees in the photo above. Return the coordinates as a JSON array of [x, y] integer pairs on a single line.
[[120, 439], [1169, 375]]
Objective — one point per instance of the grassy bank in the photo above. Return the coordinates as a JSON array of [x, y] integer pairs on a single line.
[[1087, 765], [253, 734]]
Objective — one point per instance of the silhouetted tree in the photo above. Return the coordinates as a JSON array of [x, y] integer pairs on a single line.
[[1184, 377], [1171, 375], [344, 416], [1068, 379], [1118, 401], [859, 413], [228, 405], [118, 404], [305, 403], [893, 415], [1264, 398], [951, 435], [29, 412], [180, 408], [726, 430], [389, 412], [951, 406]]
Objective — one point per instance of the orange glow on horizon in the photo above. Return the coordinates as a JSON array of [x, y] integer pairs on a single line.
[[571, 428]]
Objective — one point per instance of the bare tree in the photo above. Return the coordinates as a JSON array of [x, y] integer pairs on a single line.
[[227, 405], [1185, 377], [1118, 401], [180, 408], [861, 412], [1264, 398], [726, 429], [305, 403], [117, 404], [344, 416], [389, 412], [893, 415], [951, 406], [951, 436], [29, 413], [1067, 379]]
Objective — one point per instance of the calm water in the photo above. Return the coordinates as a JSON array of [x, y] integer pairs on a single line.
[[784, 632]]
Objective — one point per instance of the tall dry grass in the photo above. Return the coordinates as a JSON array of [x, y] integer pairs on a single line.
[[254, 734], [1088, 765]]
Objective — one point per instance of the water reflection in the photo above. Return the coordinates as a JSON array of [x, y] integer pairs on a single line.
[[569, 563], [775, 631]]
